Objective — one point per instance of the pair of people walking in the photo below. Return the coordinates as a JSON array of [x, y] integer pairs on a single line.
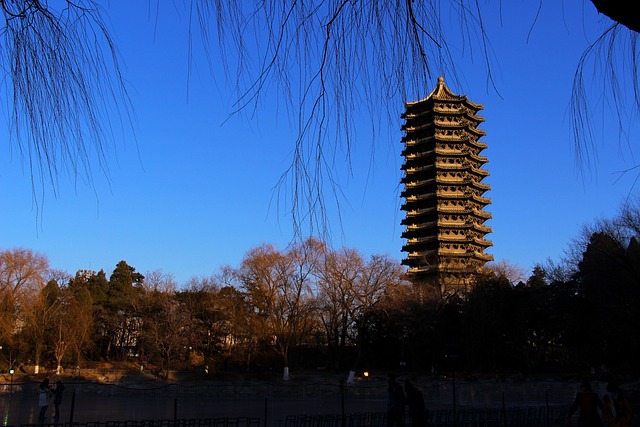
[[613, 410], [45, 395], [412, 398]]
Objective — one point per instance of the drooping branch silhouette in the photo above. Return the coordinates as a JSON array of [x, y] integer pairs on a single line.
[[63, 88], [328, 60]]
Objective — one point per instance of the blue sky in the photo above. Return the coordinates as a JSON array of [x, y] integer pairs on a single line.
[[194, 188]]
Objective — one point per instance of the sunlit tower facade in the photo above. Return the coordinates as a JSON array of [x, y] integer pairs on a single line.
[[443, 194]]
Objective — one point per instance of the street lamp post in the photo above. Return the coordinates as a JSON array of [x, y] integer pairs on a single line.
[[453, 358], [11, 380]]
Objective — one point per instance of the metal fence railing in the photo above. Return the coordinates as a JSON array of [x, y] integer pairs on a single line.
[[290, 404], [488, 417]]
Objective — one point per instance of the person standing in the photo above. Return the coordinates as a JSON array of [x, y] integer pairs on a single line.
[[57, 399], [43, 399], [415, 401], [617, 410], [589, 404], [395, 403]]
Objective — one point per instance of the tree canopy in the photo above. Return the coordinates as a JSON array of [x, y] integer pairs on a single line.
[[310, 306]]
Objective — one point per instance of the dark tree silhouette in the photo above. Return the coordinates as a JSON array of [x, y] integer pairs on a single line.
[[620, 11]]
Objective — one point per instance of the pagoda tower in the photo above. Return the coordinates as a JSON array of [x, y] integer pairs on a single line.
[[443, 193]]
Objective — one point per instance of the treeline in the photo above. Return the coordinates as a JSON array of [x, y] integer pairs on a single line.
[[310, 306]]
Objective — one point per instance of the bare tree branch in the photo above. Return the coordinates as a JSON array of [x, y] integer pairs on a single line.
[[63, 80], [331, 58]]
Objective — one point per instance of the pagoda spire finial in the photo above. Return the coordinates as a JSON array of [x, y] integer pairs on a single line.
[[441, 91]]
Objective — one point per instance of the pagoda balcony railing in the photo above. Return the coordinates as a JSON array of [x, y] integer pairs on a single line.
[[415, 219], [459, 133], [422, 168], [424, 269], [449, 252], [452, 209], [418, 169], [416, 127], [479, 159], [477, 184], [421, 226], [419, 183], [477, 143], [453, 224], [475, 131], [417, 198], [479, 171], [418, 254], [412, 211], [482, 214], [448, 238], [480, 199], [483, 228], [413, 156], [450, 138], [415, 240], [462, 153], [453, 268], [483, 256], [450, 152], [448, 108], [453, 195], [451, 166], [456, 180], [451, 121], [482, 242]]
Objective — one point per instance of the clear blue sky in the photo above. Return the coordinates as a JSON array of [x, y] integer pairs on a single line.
[[194, 191]]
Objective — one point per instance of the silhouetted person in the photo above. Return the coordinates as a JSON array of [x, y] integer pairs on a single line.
[[57, 399], [43, 399], [588, 403], [617, 410], [415, 401], [395, 403]]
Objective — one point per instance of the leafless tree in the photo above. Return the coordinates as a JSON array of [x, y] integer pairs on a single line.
[[514, 273], [159, 281], [22, 276], [278, 288], [349, 287], [78, 321], [38, 319], [621, 228], [336, 299]]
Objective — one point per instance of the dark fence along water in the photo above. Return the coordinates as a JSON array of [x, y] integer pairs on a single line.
[[289, 404], [512, 417]]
